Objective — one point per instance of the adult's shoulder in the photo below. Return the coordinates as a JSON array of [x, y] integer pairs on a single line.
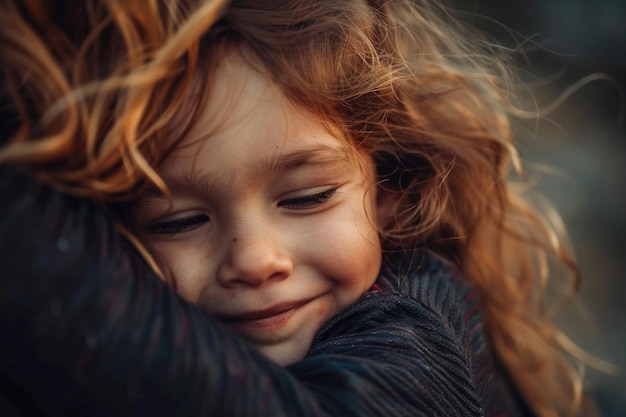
[[405, 336], [430, 282], [412, 290]]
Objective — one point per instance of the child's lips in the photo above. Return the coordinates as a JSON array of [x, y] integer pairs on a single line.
[[263, 314], [267, 319]]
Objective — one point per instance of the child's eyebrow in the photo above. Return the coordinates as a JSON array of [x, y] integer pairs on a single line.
[[318, 157]]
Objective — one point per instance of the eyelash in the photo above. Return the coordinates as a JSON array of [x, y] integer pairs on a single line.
[[186, 224], [173, 227], [308, 201]]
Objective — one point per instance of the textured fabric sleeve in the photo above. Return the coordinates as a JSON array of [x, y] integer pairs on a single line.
[[416, 352], [88, 330]]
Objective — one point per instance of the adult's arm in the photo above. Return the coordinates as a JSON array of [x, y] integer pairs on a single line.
[[87, 329]]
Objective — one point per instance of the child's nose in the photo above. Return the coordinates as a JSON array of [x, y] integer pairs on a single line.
[[253, 260]]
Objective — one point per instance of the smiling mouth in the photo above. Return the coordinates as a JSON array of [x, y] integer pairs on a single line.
[[264, 314], [267, 319]]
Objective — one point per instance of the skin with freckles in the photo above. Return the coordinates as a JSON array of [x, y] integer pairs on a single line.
[[270, 225]]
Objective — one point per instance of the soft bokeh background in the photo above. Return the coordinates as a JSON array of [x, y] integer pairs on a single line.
[[585, 141]]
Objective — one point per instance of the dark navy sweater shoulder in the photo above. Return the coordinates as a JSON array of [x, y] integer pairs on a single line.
[[419, 333]]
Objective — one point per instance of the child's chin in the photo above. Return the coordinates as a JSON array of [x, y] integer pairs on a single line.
[[284, 354]]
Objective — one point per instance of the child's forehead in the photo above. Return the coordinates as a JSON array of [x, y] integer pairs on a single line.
[[248, 127], [240, 94], [238, 91]]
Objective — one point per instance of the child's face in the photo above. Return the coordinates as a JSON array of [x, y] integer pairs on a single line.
[[270, 227]]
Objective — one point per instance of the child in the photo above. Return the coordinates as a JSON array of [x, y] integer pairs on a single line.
[[329, 179]]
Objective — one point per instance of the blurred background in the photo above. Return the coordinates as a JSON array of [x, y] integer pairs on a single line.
[[584, 140]]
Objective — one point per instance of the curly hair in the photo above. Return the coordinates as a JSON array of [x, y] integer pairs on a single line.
[[90, 95]]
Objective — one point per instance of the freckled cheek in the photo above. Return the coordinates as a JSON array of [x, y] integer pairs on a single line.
[[324, 311], [351, 261], [187, 267], [321, 311], [362, 261]]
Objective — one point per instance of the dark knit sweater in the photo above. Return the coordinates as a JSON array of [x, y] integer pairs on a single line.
[[88, 330]]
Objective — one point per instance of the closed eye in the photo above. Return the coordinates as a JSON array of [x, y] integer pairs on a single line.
[[173, 227], [308, 201]]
